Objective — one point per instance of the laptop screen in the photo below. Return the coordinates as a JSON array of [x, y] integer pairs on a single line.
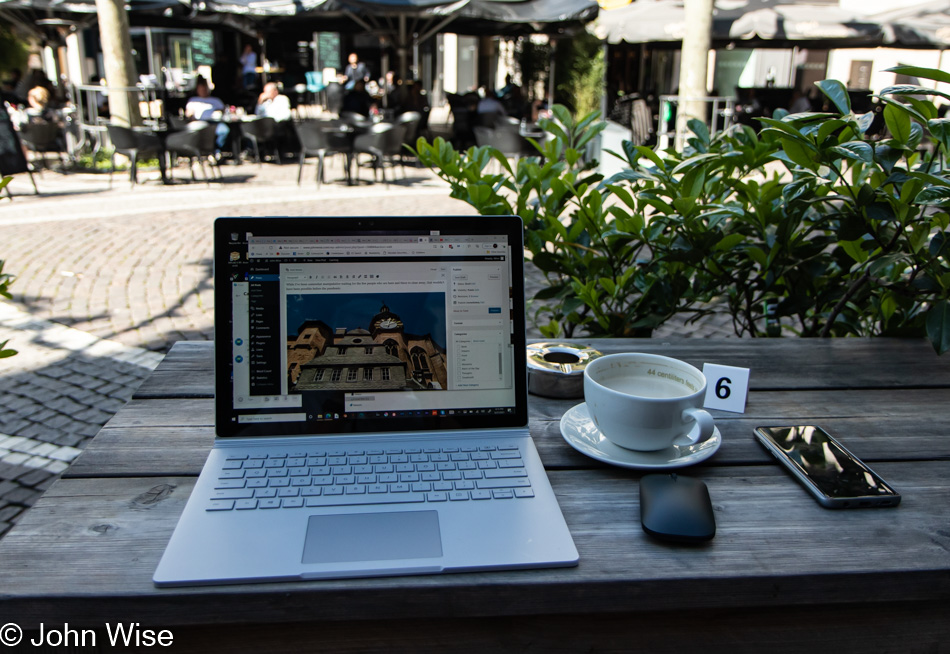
[[351, 325]]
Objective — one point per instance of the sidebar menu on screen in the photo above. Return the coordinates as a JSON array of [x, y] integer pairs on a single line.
[[264, 337]]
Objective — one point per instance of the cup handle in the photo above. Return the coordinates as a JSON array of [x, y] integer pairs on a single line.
[[706, 426]]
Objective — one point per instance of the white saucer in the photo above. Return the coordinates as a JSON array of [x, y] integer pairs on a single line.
[[582, 434]]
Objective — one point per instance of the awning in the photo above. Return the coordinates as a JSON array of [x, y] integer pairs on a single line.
[[924, 25], [749, 23]]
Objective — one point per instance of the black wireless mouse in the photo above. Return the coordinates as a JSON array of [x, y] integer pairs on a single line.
[[677, 509]]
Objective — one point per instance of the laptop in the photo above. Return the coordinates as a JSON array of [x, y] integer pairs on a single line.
[[370, 406]]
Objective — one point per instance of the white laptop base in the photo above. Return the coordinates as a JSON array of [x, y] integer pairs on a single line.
[[413, 537]]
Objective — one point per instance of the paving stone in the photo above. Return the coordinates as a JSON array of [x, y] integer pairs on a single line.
[[22, 495], [15, 458], [56, 466], [34, 477], [8, 512], [6, 486], [14, 426]]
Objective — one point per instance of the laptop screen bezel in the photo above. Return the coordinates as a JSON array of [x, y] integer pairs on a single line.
[[226, 425]]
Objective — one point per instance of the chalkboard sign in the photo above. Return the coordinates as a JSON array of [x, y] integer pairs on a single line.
[[328, 50], [202, 47], [12, 160]]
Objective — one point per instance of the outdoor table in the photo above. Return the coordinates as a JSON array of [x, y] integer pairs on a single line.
[[782, 573]]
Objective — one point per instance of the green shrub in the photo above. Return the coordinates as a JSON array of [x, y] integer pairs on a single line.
[[5, 281], [840, 234]]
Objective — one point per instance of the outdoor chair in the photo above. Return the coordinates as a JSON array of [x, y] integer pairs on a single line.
[[315, 141], [383, 141], [315, 84], [193, 142], [42, 137], [133, 145], [356, 120], [334, 97], [504, 138], [411, 120], [262, 132]]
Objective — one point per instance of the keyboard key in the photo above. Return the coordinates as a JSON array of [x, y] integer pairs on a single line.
[[279, 455], [377, 488], [233, 465], [356, 489], [506, 472], [279, 482], [344, 480], [487, 465], [452, 475], [363, 470], [399, 488], [296, 462], [233, 494], [431, 476], [231, 474], [244, 505], [269, 504], [404, 477], [352, 500], [507, 447], [481, 495], [456, 496], [506, 455], [443, 486], [472, 474], [288, 492], [264, 493], [256, 483], [502, 494], [277, 472], [292, 502], [524, 492], [229, 483], [390, 478], [421, 487], [275, 463], [220, 505], [311, 491], [299, 472], [459, 456], [508, 482], [237, 457], [511, 463], [333, 490], [366, 479], [326, 480], [435, 496], [464, 485], [255, 474], [300, 481]]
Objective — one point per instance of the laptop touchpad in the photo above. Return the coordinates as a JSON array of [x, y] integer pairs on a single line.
[[372, 537]]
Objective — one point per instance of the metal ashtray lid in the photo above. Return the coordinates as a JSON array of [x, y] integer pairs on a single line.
[[557, 369]]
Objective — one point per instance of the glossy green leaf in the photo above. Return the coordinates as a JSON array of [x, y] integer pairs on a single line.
[[856, 150], [854, 250], [918, 71], [933, 195], [799, 154], [938, 326], [898, 123], [837, 93]]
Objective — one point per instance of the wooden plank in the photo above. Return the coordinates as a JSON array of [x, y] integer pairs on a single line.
[[172, 437], [791, 363], [88, 548], [885, 628], [186, 371]]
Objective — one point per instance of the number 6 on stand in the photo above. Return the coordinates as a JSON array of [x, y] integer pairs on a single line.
[[726, 387]]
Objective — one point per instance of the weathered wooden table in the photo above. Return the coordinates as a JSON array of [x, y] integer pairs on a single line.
[[781, 574]]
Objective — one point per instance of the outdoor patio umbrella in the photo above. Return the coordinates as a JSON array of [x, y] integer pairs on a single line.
[[759, 23]]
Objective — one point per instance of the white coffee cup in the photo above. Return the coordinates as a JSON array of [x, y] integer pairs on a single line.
[[647, 402]]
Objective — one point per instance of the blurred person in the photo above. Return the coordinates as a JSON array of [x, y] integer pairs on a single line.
[[355, 71], [800, 103], [203, 105], [272, 104], [249, 67], [489, 103]]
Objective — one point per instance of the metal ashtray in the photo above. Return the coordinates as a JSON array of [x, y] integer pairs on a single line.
[[557, 369]]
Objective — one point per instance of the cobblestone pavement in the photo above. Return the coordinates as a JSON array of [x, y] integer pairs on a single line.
[[107, 279]]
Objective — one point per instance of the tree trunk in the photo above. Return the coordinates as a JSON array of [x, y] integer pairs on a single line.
[[696, 43], [117, 58]]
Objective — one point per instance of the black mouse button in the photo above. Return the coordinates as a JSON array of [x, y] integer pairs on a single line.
[[676, 508]]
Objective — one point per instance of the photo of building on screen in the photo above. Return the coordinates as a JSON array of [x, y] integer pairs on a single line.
[[382, 356]]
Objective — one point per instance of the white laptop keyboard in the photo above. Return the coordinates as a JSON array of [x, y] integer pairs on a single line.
[[315, 478]]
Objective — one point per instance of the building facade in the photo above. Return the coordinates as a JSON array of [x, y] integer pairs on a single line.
[[383, 357]]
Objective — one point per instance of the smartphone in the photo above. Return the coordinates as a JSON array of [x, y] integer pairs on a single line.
[[836, 478]]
